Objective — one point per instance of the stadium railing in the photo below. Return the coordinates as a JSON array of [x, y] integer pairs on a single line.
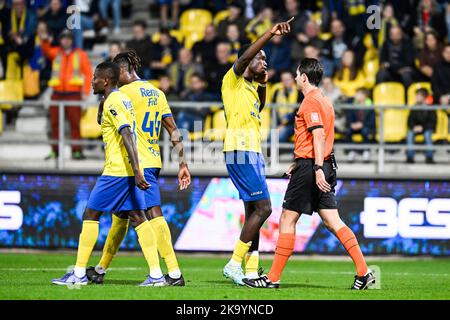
[[380, 145]]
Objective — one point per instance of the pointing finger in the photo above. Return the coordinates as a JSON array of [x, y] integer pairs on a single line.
[[290, 20]]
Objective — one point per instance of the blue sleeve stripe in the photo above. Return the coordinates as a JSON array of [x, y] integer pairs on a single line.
[[166, 115], [234, 70], [123, 126]]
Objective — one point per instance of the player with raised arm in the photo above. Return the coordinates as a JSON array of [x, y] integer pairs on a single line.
[[312, 181], [152, 110], [244, 95], [121, 185]]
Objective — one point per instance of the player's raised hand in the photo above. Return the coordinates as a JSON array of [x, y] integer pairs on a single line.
[[141, 183], [281, 28], [100, 111], [184, 177]]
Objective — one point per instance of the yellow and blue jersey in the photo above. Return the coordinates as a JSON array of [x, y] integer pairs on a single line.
[[117, 114], [241, 103], [150, 106]]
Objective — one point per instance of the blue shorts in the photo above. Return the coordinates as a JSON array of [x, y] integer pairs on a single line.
[[247, 171], [116, 194], [152, 194]]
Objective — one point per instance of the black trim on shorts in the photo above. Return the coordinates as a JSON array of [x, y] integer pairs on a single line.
[[310, 129]]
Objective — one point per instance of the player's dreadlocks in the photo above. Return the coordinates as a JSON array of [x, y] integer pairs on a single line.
[[130, 58]]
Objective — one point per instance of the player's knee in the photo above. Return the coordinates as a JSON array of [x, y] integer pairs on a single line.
[[136, 218], [264, 211], [92, 215]]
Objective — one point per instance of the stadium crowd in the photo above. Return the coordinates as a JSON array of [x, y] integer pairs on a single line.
[[411, 45]]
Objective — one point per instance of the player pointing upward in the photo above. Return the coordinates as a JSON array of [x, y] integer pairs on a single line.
[[312, 180], [244, 95]]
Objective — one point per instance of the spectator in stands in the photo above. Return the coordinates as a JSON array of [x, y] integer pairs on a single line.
[[142, 44], [309, 37], [301, 17], [87, 22], [429, 55], [260, 24], [56, 18], [429, 17], [440, 80], [360, 122], [348, 77], [421, 122], [196, 92], [235, 40], [388, 20], [166, 86], [334, 48], [311, 51], [114, 48], [205, 50], [20, 38], [278, 52], [163, 53], [116, 11], [70, 80], [164, 12], [285, 94], [334, 94], [181, 70], [216, 69], [235, 17], [406, 13], [396, 59], [5, 16]]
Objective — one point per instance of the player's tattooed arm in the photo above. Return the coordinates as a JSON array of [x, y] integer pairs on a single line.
[[131, 148], [278, 29], [184, 176], [262, 79]]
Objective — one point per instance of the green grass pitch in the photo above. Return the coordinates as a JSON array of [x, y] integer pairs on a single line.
[[27, 276]]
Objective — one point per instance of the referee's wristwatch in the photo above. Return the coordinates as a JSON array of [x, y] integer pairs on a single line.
[[316, 168]]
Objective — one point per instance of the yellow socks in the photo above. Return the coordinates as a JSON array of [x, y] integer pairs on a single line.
[[251, 264], [147, 240], [239, 252], [88, 238], [116, 234], [165, 247]]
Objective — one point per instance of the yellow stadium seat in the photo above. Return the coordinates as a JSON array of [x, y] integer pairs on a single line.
[[395, 120], [370, 70], [411, 93], [218, 128], [10, 90], [177, 34], [192, 25], [265, 123], [89, 128], [220, 16]]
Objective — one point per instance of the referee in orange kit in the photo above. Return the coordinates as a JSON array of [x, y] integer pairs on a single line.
[[312, 180]]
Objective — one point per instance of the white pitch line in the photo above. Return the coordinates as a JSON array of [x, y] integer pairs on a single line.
[[202, 269]]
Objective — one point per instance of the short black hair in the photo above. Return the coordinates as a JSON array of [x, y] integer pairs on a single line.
[[110, 70], [313, 70], [243, 49], [422, 91], [140, 23]]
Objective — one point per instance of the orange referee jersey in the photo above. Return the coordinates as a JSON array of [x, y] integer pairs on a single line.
[[316, 111]]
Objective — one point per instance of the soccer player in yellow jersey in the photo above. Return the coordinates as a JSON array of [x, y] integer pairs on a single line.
[[244, 95], [152, 113], [121, 185]]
